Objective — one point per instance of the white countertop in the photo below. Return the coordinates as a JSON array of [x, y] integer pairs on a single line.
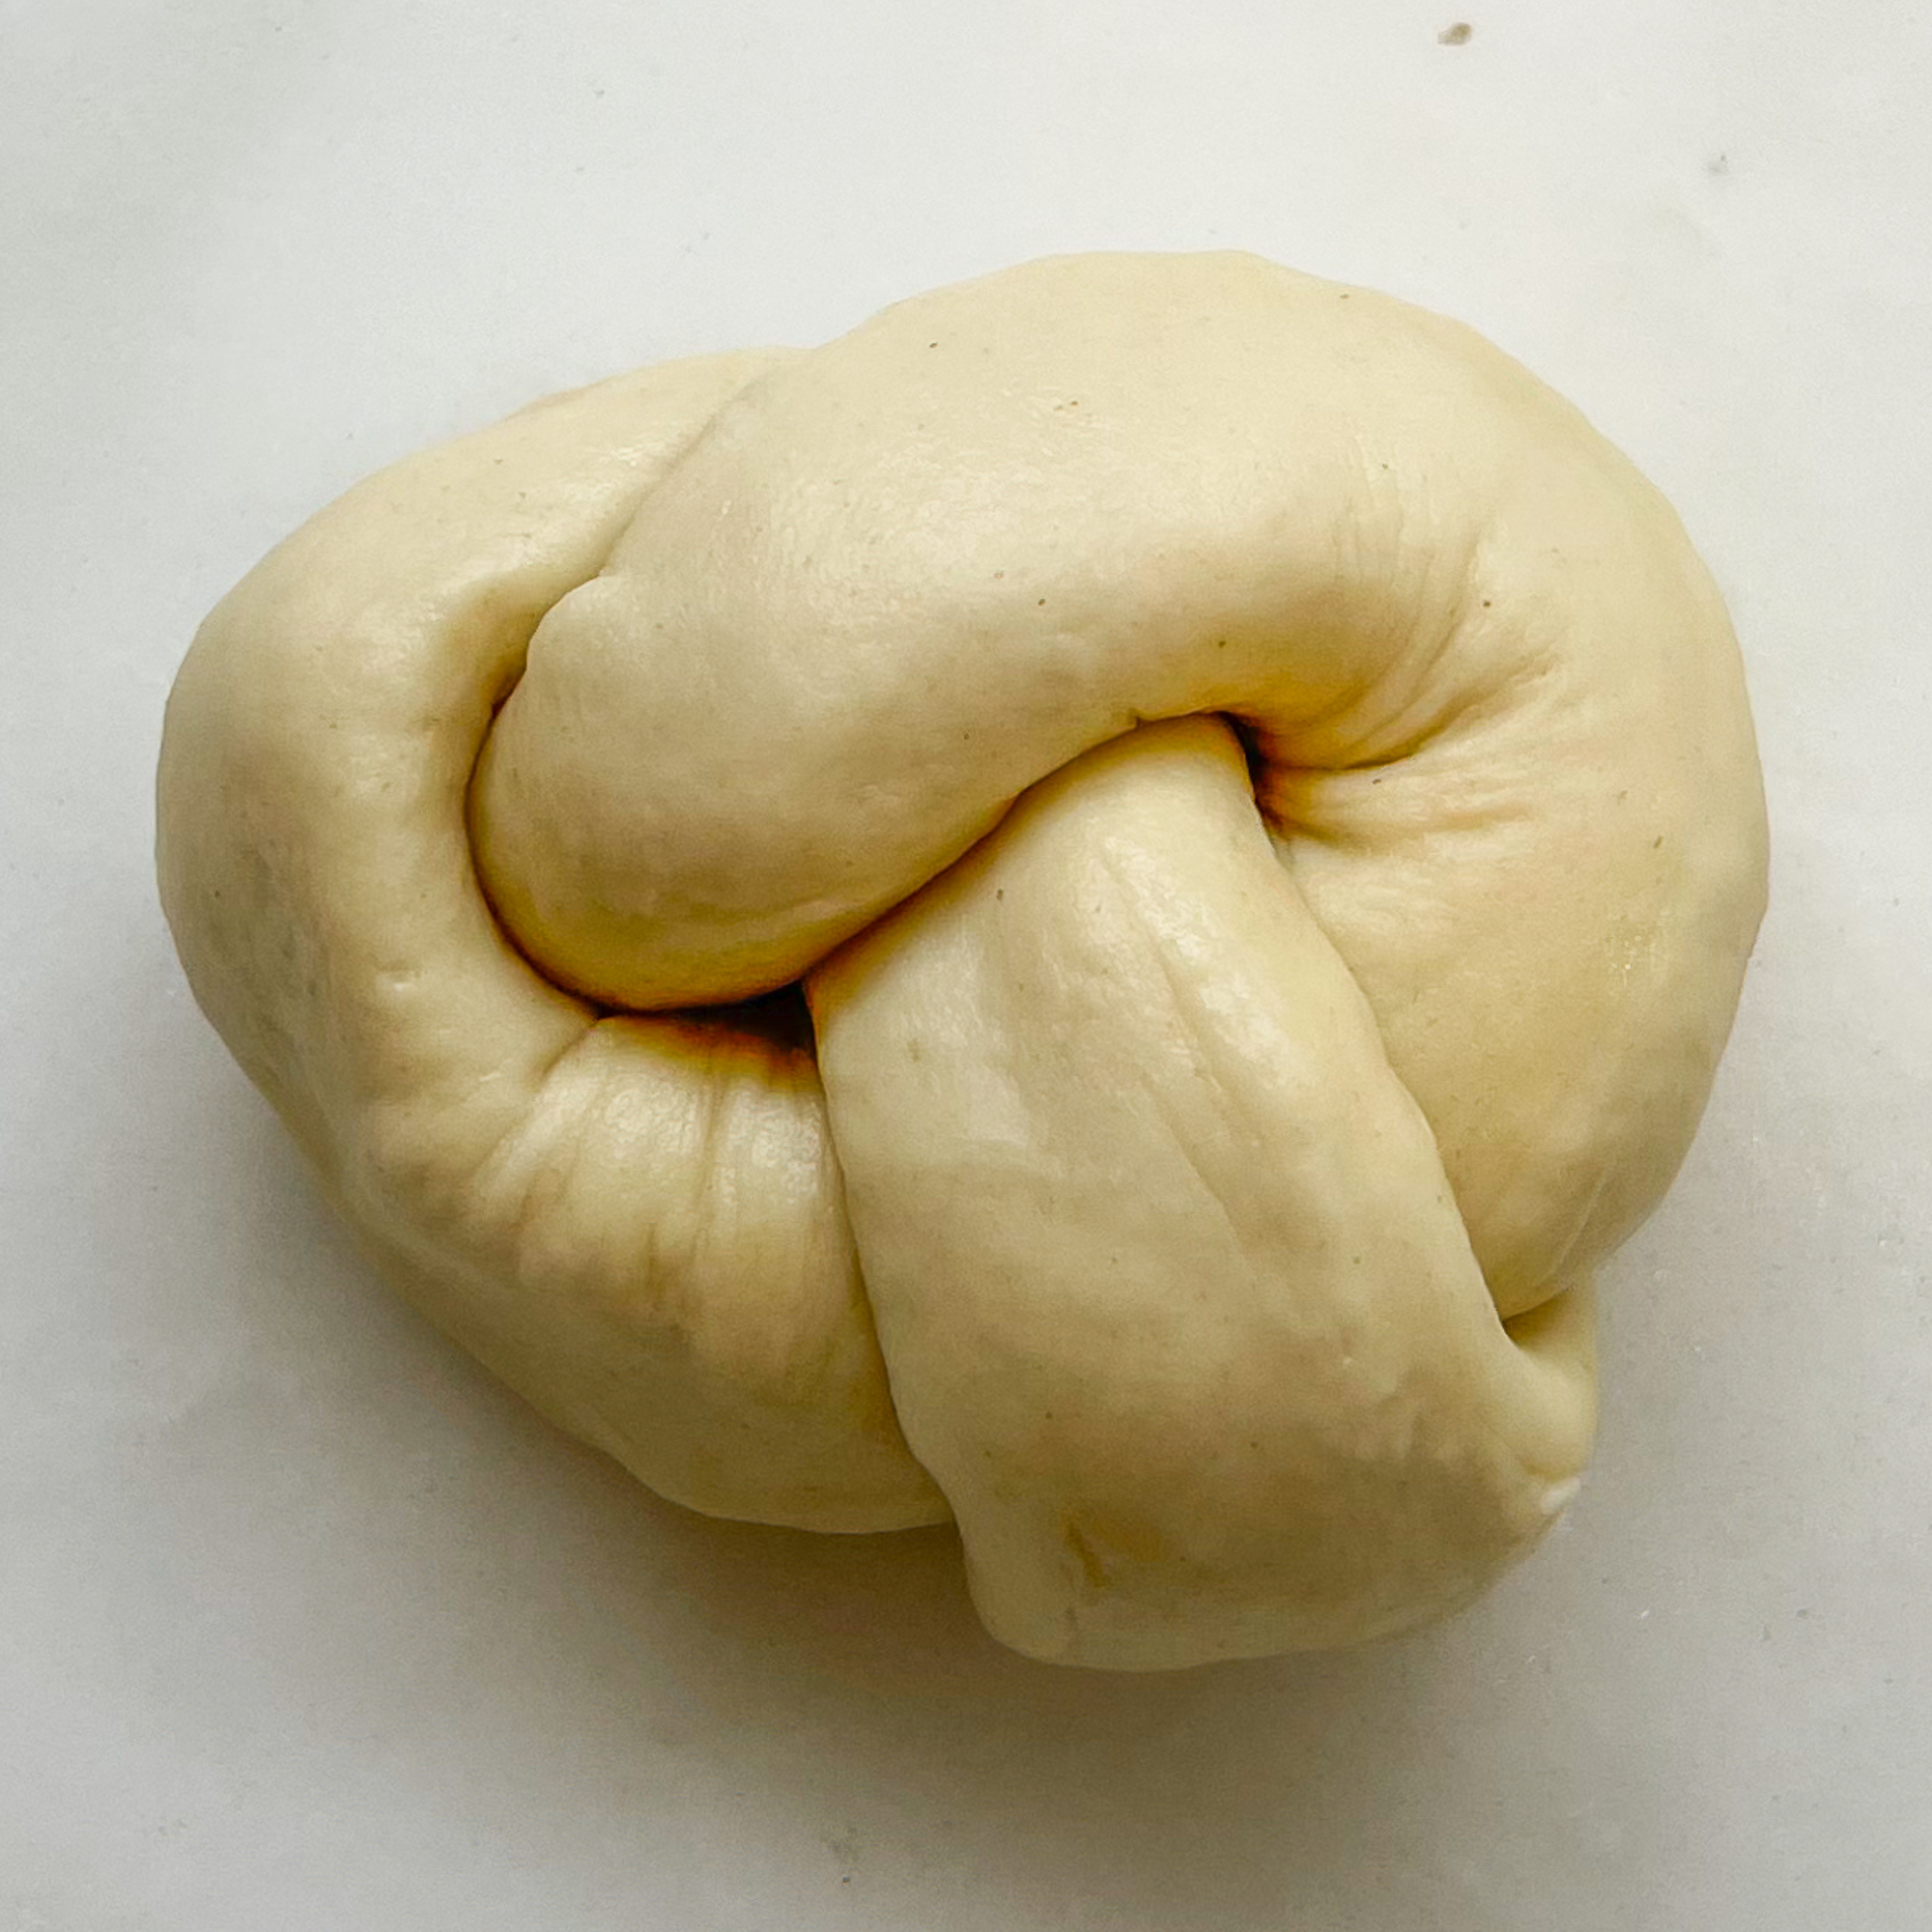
[[305, 1624]]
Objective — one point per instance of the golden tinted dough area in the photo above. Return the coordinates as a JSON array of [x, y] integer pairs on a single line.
[[1085, 909]]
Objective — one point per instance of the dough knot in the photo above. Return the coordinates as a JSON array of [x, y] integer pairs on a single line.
[[1084, 910]]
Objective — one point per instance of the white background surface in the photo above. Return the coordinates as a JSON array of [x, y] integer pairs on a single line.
[[304, 1624]]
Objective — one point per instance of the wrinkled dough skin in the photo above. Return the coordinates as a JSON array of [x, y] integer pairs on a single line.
[[1259, 801]]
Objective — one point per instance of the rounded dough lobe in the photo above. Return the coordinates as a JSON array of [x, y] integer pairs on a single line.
[[1262, 804], [637, 1220]]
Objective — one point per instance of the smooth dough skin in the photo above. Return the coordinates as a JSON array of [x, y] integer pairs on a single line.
[[1085, 909]]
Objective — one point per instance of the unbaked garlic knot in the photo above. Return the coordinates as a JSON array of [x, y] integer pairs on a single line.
[[1258, 801]]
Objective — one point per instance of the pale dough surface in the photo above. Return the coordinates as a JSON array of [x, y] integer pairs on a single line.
[[1261, 801]]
